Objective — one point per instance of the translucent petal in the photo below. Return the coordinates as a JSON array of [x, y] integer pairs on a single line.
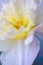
[[22, 54], [6, 44]]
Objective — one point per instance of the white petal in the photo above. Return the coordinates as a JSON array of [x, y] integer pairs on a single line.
[[6, 44], [39, 28], [39, 19], [22, 54], [29, 38]]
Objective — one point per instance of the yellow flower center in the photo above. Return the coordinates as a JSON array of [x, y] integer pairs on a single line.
[[16, 21], [17, 24]]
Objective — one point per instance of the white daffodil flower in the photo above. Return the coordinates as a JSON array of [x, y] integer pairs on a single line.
[[19, 20]]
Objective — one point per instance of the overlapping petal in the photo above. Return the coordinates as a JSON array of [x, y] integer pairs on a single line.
[[19, 9], [13, 13]]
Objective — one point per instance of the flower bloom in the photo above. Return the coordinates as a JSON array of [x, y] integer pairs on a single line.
[[17, 26]]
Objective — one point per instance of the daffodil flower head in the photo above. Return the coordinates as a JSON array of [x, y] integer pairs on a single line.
[[18, 22], [18, 19]]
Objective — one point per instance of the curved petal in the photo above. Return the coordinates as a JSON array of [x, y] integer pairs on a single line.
[[29, 38], [22, 54]]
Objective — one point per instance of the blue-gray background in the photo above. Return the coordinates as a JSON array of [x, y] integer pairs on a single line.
[[39, 59]]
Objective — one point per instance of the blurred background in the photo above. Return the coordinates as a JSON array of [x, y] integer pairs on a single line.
[[39, 59]]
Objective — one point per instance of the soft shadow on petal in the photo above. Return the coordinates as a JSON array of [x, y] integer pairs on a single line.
[[22, 54], [6, 44], [29, 38]]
